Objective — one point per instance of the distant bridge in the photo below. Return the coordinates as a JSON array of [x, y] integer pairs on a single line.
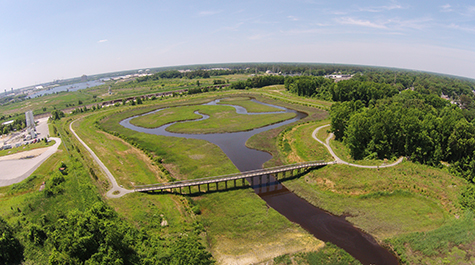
[[259, 173]]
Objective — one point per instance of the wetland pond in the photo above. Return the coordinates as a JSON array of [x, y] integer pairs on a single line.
[[321, 224]]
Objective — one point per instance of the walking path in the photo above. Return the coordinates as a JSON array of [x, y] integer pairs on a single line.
[[340, 161], [119, 191]]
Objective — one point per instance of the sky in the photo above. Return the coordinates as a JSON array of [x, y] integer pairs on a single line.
[[41, 41]]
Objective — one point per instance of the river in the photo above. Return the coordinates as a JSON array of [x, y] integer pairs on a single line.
[[67, 88], [316, 221]]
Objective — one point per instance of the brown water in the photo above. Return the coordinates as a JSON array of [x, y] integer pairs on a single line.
[[321, 224]]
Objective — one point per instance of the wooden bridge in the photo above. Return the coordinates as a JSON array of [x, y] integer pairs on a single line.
[[251, 175]]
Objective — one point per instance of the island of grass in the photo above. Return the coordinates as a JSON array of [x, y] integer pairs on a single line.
[[249, 105], [222, 119]]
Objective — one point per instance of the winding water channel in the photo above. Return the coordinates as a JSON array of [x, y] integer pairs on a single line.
[[321, 224]]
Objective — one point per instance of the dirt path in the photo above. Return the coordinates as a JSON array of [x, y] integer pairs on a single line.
[[340, 161], [116, 191]]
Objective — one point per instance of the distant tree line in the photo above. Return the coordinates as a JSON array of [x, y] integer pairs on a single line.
[[18, 124], [190, 74], [12, 99], [258, 81]]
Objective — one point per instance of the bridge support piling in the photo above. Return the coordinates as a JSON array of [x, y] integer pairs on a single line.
[[189, 189], [180, 190], [217, 186], [260, 180], [225, 184], [252, 181], [243, 183], [235, 183], [199, 189], [208, 186]]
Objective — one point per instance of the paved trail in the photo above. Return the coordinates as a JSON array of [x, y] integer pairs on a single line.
[[340, 161], [115, 187]]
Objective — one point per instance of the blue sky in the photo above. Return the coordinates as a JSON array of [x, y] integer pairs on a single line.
[[45, 40]]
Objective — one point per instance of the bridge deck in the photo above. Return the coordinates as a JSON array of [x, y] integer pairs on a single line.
[[241, 175]]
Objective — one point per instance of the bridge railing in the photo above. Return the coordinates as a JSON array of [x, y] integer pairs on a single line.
[[238, 175]]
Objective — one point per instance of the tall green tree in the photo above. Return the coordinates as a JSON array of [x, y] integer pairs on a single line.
[[11, 251]]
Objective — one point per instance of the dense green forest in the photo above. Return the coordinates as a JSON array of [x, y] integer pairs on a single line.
[[391, 114]]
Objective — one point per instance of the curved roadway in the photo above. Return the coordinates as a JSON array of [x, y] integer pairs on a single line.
[[119, 191], [340, 161], [16, 170]]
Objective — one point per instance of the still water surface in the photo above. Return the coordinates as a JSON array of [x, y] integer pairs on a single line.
[[69, 88], [321, 224]]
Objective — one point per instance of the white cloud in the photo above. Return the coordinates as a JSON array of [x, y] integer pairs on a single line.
[[101, 41], [381, 8], [209, 13], [338, 13], [417, 23], [446, 8], [292, 18], [462, 28], [359, 22], [471, 10]]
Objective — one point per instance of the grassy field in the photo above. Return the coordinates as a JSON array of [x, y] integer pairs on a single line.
[[128, 164], [250, 106], [166, 116], [297, 144], [278, 92], [393, 204], [224, 119], [412, 208], [28, 147], [98, 94], [239, 226], [242, 229], [342, 152], [272, 142]]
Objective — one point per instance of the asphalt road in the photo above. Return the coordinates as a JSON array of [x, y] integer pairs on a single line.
[[15, 170]]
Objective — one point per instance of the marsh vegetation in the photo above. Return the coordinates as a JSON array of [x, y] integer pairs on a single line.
[[417, 208]]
